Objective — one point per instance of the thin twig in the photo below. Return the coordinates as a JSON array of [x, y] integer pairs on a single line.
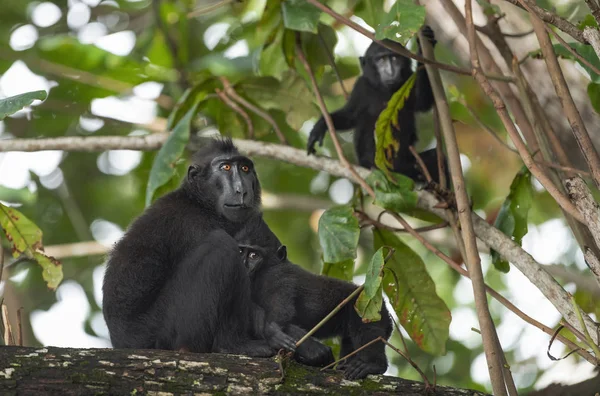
[[585, 329], [353, 353], [411, 362], [327, 117], [256, 110], [333, 65], [208, 8], [8, 335], [234, 106], [421, 164], [19, 327], [330, 315], [486, 128], [553, 19]]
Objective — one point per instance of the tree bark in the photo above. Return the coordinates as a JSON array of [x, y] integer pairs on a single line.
[[68, 371]]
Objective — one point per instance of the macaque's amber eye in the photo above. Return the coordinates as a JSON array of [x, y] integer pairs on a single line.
[[226, 167], [245, 168]]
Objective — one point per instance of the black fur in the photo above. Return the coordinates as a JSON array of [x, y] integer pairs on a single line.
[[176, 280], [370, 97], [297, 300]]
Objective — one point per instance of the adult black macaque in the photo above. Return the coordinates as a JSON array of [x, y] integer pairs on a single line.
[[176, 280], [297, 300], [384, 72]]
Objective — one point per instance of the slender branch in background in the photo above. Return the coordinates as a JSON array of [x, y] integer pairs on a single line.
[[327, 117], [490, 235], [1, 259], [230, 91], [330, 315], [493, 354], [486, 128], [234, 106], [353, 353], [208, 8], [171, 44], [396, 47], [585, 329], [593, 36], [567, 169], [8, 334], [561, 23], [421, 164], [19, 327], [410, 361], [331, 59], [499, 297], [566, 100]]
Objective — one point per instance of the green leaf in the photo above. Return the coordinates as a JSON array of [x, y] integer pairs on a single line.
[[371, 11], [402, 22], [412, 293], [512, 218], [163, 167], [397, 195], [341, 270], [25, 238], [300, 15], [588, 21], [291, 95], [593, 90], [338, 234], [374, 276], [15, 103], [386, 145], [369, 308]]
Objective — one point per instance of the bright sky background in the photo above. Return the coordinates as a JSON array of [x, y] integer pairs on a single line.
[[62, 324]]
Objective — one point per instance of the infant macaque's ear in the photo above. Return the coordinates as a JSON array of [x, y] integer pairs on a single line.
[[282, 253]]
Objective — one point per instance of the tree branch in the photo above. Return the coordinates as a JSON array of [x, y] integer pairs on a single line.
[[69, 371], [493, 353], [560, 23]]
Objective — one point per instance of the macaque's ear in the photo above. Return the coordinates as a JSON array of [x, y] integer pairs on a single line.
[[282, 253], [193, 171]]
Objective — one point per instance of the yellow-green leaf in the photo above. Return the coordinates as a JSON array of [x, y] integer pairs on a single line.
[[25, 239], [412, 293], [386, 146]]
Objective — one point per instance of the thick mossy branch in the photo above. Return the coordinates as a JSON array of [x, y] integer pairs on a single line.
[[68, 371]]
